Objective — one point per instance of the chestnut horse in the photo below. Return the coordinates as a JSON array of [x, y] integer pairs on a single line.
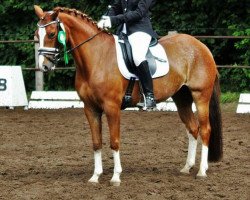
[[193, 77]]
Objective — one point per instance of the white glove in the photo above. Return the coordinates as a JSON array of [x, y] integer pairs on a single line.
[[105, 22]]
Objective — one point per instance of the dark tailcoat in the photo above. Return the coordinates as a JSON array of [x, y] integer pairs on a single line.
[[134, 13]]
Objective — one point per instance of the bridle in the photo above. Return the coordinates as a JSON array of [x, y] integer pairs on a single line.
[[49, 52], [53, 53]]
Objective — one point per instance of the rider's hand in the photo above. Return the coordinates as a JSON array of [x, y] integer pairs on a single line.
[[105, 22]]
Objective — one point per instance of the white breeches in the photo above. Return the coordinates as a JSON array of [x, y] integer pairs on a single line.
[[139, 42]]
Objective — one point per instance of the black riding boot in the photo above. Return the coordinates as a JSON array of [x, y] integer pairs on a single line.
[[147, 86]]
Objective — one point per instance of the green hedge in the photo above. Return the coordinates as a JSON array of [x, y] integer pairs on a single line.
[[195, 17]]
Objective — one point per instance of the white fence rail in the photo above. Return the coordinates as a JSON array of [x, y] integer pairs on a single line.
[[54, 100]]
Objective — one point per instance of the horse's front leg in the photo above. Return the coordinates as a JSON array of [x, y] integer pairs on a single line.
[[94, 119], [113, 116]]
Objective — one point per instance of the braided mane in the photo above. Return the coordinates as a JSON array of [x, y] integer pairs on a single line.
[[76, 13]]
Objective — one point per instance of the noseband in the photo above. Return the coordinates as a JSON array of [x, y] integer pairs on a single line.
[[52, 54]]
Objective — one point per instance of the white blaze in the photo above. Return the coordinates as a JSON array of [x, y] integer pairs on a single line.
[[41, 33]]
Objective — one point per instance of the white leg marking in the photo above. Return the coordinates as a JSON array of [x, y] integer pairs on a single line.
[[204, 162], [98, 167], [115, 181], [192, 145]]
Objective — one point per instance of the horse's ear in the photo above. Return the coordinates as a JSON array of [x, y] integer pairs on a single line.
[[38, 11], [54, 14]]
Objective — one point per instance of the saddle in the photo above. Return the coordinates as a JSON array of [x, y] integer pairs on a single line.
[[128, 56]]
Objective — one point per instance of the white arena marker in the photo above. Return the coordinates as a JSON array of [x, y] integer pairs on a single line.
[[244, 103], [12, 89]]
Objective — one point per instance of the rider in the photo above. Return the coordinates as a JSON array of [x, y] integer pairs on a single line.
[[133, 19]]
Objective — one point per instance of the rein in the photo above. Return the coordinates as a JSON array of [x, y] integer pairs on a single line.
[[92, 37]]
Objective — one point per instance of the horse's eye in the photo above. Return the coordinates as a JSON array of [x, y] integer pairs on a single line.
[[51, 35]]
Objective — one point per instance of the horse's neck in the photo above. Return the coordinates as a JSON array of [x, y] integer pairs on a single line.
[[96, 56], [78, 30]]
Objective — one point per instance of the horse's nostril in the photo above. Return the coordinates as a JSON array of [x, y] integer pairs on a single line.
[[45, 68]]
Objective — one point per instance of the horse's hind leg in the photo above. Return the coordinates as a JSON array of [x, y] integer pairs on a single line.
[[202, 104], [183, 101], [94, 119]]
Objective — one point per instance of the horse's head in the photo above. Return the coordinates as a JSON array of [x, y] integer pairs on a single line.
[[47, 33]]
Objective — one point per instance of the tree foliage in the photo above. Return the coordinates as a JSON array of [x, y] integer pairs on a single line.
[[195, 17]]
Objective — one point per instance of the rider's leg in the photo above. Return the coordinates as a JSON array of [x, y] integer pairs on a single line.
[[140, 42]]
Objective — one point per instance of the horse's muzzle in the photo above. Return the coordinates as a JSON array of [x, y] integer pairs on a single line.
[[48, 58]]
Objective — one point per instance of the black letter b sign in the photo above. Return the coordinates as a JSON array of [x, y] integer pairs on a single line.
[[3, 84]]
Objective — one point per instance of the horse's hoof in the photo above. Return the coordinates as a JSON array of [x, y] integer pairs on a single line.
[[116, 184], [93, 182], [185, 171], [201, 176]]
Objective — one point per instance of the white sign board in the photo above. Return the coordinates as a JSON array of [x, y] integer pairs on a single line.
[[12, 90], [244, 103]]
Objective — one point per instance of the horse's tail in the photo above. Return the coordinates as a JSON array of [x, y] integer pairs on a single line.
[[215, 144]]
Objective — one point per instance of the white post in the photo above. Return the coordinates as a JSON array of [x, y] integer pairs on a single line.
[[38, 74]]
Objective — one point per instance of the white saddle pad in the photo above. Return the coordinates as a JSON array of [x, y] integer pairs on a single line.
[[162, 68]]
